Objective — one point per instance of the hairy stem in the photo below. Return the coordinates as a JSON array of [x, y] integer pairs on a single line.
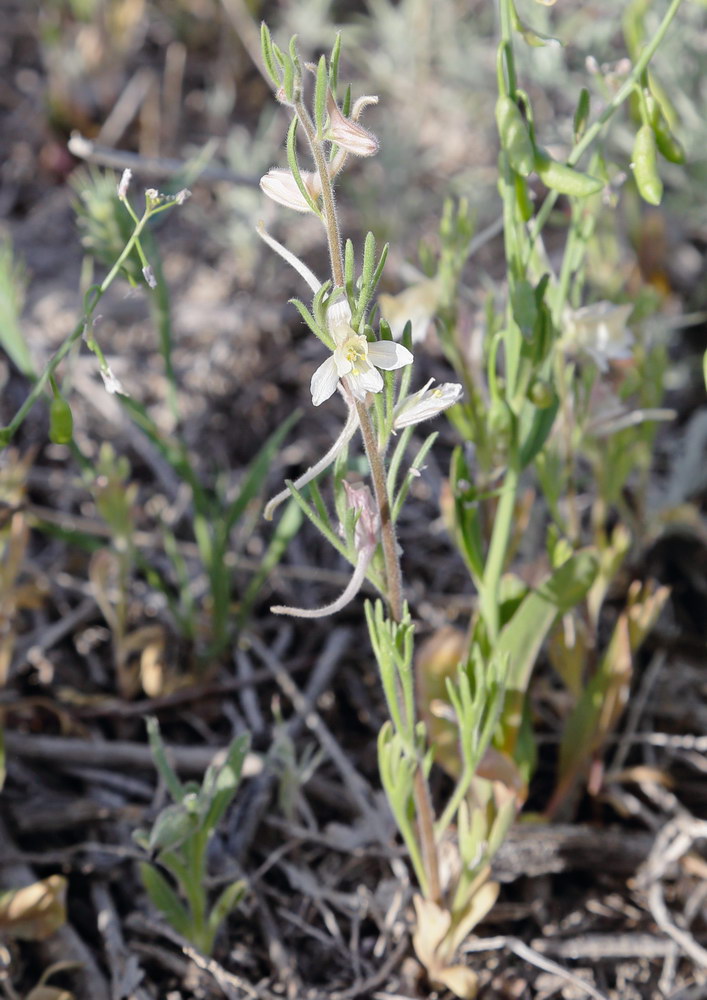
[[331, 221]]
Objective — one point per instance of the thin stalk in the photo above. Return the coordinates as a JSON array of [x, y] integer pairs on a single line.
[[394, 587], [394, 593], [567, 270], [614, 104], [61, 352]]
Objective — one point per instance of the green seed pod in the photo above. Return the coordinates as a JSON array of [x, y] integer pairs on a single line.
[[581, 115], [525, 205], [565, 179], [61, 422], [515, 137], [541, 393], [645, 167], [670, 147]]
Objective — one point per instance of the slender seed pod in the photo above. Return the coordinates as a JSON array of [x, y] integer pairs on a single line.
[[525, 205], [61, 421], [670, 147], [514, 135], [645, 166], [565, 179]]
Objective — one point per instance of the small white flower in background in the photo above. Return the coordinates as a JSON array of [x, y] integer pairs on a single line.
[[416, 304], [149, 276], [281, 186], [112, 384], [125, 183], [600, 331], [354, 359], [181, 196], [346, 132], [426, 403]]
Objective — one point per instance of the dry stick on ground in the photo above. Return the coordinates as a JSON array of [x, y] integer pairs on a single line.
[[192, 761], [150, 166], [604, 947], [527, 954], [671, 844], [64, 945]]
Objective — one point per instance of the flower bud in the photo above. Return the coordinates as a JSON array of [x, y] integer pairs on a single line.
[[426, 403], [125, 183], [347, 133]]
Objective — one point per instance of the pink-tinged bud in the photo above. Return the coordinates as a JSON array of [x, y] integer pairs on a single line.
[[347, 133], [125, 183], [181, 196], [281, 186], [368, 523]]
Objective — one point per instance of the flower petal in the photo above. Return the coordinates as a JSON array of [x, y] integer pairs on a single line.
[[389, 356], [370, 379], [324, 381], [343, 365], [281, 186]]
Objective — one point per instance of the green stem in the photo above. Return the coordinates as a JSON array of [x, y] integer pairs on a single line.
[[393, 579], [614, 104], [567, 269], [7, 433]]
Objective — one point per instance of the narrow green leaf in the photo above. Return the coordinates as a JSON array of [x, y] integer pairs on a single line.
[[312, 323], [323, 525], [165, 899], [159, 755], [226, 781], [227, 901], [523, 636], [581, 114], [294, 166], [288, 74], [12, 290], [415, 466], [540, 426], [268, 55], [334, 64], [320, 96], [349, 268]]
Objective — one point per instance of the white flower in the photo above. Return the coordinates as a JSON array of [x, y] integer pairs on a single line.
[[112, 384], [600, 331], [125, 183], [426, 403], [416, 304], [281, 186], [354, 359]]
